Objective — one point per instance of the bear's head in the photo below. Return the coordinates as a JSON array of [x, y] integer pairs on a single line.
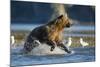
[[63, 21]]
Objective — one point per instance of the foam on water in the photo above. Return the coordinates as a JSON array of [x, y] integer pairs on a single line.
[[44, 49]]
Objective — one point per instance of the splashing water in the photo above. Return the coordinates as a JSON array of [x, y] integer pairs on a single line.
[[44, 49]]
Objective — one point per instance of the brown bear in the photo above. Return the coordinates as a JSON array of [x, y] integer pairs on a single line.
[[50, 33]]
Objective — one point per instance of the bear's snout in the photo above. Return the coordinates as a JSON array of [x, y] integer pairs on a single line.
[[69, 24]]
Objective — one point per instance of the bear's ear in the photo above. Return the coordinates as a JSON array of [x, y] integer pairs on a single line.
[[60, 16]]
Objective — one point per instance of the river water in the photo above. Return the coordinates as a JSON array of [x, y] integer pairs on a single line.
[[79, 54]]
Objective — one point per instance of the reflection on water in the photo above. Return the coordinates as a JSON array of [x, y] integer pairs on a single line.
[[23, 26], [32, 26]]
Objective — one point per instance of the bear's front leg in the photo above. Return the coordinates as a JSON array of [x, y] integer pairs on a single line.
[[52, 44], [66, 49]]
